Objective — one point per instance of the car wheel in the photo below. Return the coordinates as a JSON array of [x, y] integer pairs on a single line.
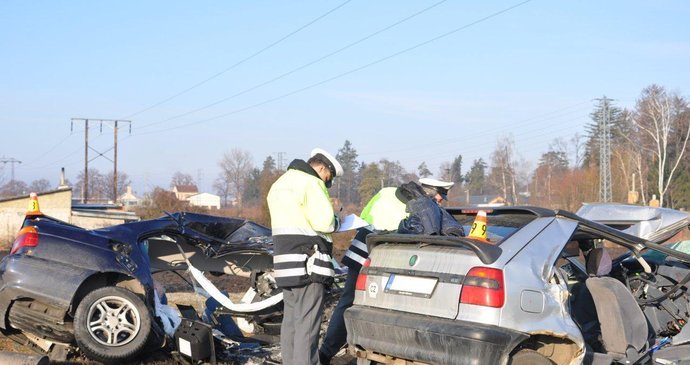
[[112, 325], [529, 357]]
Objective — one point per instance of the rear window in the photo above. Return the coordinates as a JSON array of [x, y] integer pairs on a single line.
[[500, 225]]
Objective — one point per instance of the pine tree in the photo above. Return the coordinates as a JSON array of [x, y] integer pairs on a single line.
[[346, 185], [423, 170], [456, 170]]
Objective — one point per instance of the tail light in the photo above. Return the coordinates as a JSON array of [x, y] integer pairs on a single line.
[[362, 277], [483, 286], [27, 237]]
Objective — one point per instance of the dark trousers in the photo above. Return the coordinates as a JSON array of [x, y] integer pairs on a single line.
[[336, 336], [299, 332]]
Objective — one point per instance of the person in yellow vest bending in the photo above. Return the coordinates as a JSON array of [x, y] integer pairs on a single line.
[[383, 212]]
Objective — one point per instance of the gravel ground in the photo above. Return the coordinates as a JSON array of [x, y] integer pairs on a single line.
[[179, 291]]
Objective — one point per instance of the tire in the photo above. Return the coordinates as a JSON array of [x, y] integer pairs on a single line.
[[529, 357], [112, 325]]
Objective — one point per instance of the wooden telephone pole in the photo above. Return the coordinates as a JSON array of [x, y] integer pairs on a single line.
[[112, 123]]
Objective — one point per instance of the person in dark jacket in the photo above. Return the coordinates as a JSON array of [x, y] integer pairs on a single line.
[[436, 189], [302, 220], [385, 211]]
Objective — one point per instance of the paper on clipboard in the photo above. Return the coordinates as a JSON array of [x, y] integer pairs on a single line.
[[352, 221]]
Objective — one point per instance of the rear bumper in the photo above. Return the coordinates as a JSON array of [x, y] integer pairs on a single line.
[[36, 280], [429, 339]]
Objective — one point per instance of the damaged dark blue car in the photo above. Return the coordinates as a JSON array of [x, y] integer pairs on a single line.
[[62, 286]]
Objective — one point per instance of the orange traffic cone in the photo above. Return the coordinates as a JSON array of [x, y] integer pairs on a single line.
[[478, 230], [34, 210]]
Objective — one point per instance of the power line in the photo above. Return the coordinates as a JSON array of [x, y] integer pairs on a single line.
[[64, 157], [48, 151], [554, 114], [240, 61], [380, 60], [12, 161], [476, 143], [299, 68]]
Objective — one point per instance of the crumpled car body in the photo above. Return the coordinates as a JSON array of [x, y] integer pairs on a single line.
[[511, 299], [62, 284]]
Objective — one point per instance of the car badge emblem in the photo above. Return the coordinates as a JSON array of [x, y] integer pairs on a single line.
[[413, 260]]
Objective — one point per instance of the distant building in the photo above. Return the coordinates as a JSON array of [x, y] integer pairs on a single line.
[[183, 192], [205, 200], [58, 204], [128, 199], [487, 201], [498, 201]]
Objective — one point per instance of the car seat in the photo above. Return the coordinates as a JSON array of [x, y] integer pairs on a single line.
[[625, 334], [583, 310]]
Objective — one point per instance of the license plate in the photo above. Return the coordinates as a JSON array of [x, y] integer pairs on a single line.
[[410, 285]]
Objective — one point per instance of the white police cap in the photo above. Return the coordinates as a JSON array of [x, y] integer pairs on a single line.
[[329, 160], [441, 187]]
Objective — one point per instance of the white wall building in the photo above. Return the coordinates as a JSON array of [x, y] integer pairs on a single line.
[[206, 200], [128, 199], [183, 192]]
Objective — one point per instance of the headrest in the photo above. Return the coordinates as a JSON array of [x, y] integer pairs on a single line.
[[598, 262]]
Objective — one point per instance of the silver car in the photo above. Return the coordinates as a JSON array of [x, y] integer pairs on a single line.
[[542, 289]]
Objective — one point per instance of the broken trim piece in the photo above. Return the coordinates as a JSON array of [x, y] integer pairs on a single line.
[[213, 291]]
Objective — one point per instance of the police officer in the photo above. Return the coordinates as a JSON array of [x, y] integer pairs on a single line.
[[383, 212], [302, 220], [437, 189]]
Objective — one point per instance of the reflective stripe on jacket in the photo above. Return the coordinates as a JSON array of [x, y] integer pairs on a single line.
[[301, 219], [357, 253]]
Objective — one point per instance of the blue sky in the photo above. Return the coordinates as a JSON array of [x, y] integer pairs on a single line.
[[450, 80]]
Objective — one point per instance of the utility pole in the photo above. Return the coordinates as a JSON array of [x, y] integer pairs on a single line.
[[199, 177], [279, 160], [113, 123], [604, 151], [11, 161]]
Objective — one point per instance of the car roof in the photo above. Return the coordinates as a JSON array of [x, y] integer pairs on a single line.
[[650, 223]]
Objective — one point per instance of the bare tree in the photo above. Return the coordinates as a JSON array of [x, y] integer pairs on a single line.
[[3, 177], [13, 188], [40, 185], [180, 178], [578, 144], [663, 121], [502, 173], [393, 173], [444, 171], [235, 167], [122, 182], [99, 189], [222, 187]]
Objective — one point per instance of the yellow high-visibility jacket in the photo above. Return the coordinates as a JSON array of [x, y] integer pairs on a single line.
[[384, 211], [302, 219]]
